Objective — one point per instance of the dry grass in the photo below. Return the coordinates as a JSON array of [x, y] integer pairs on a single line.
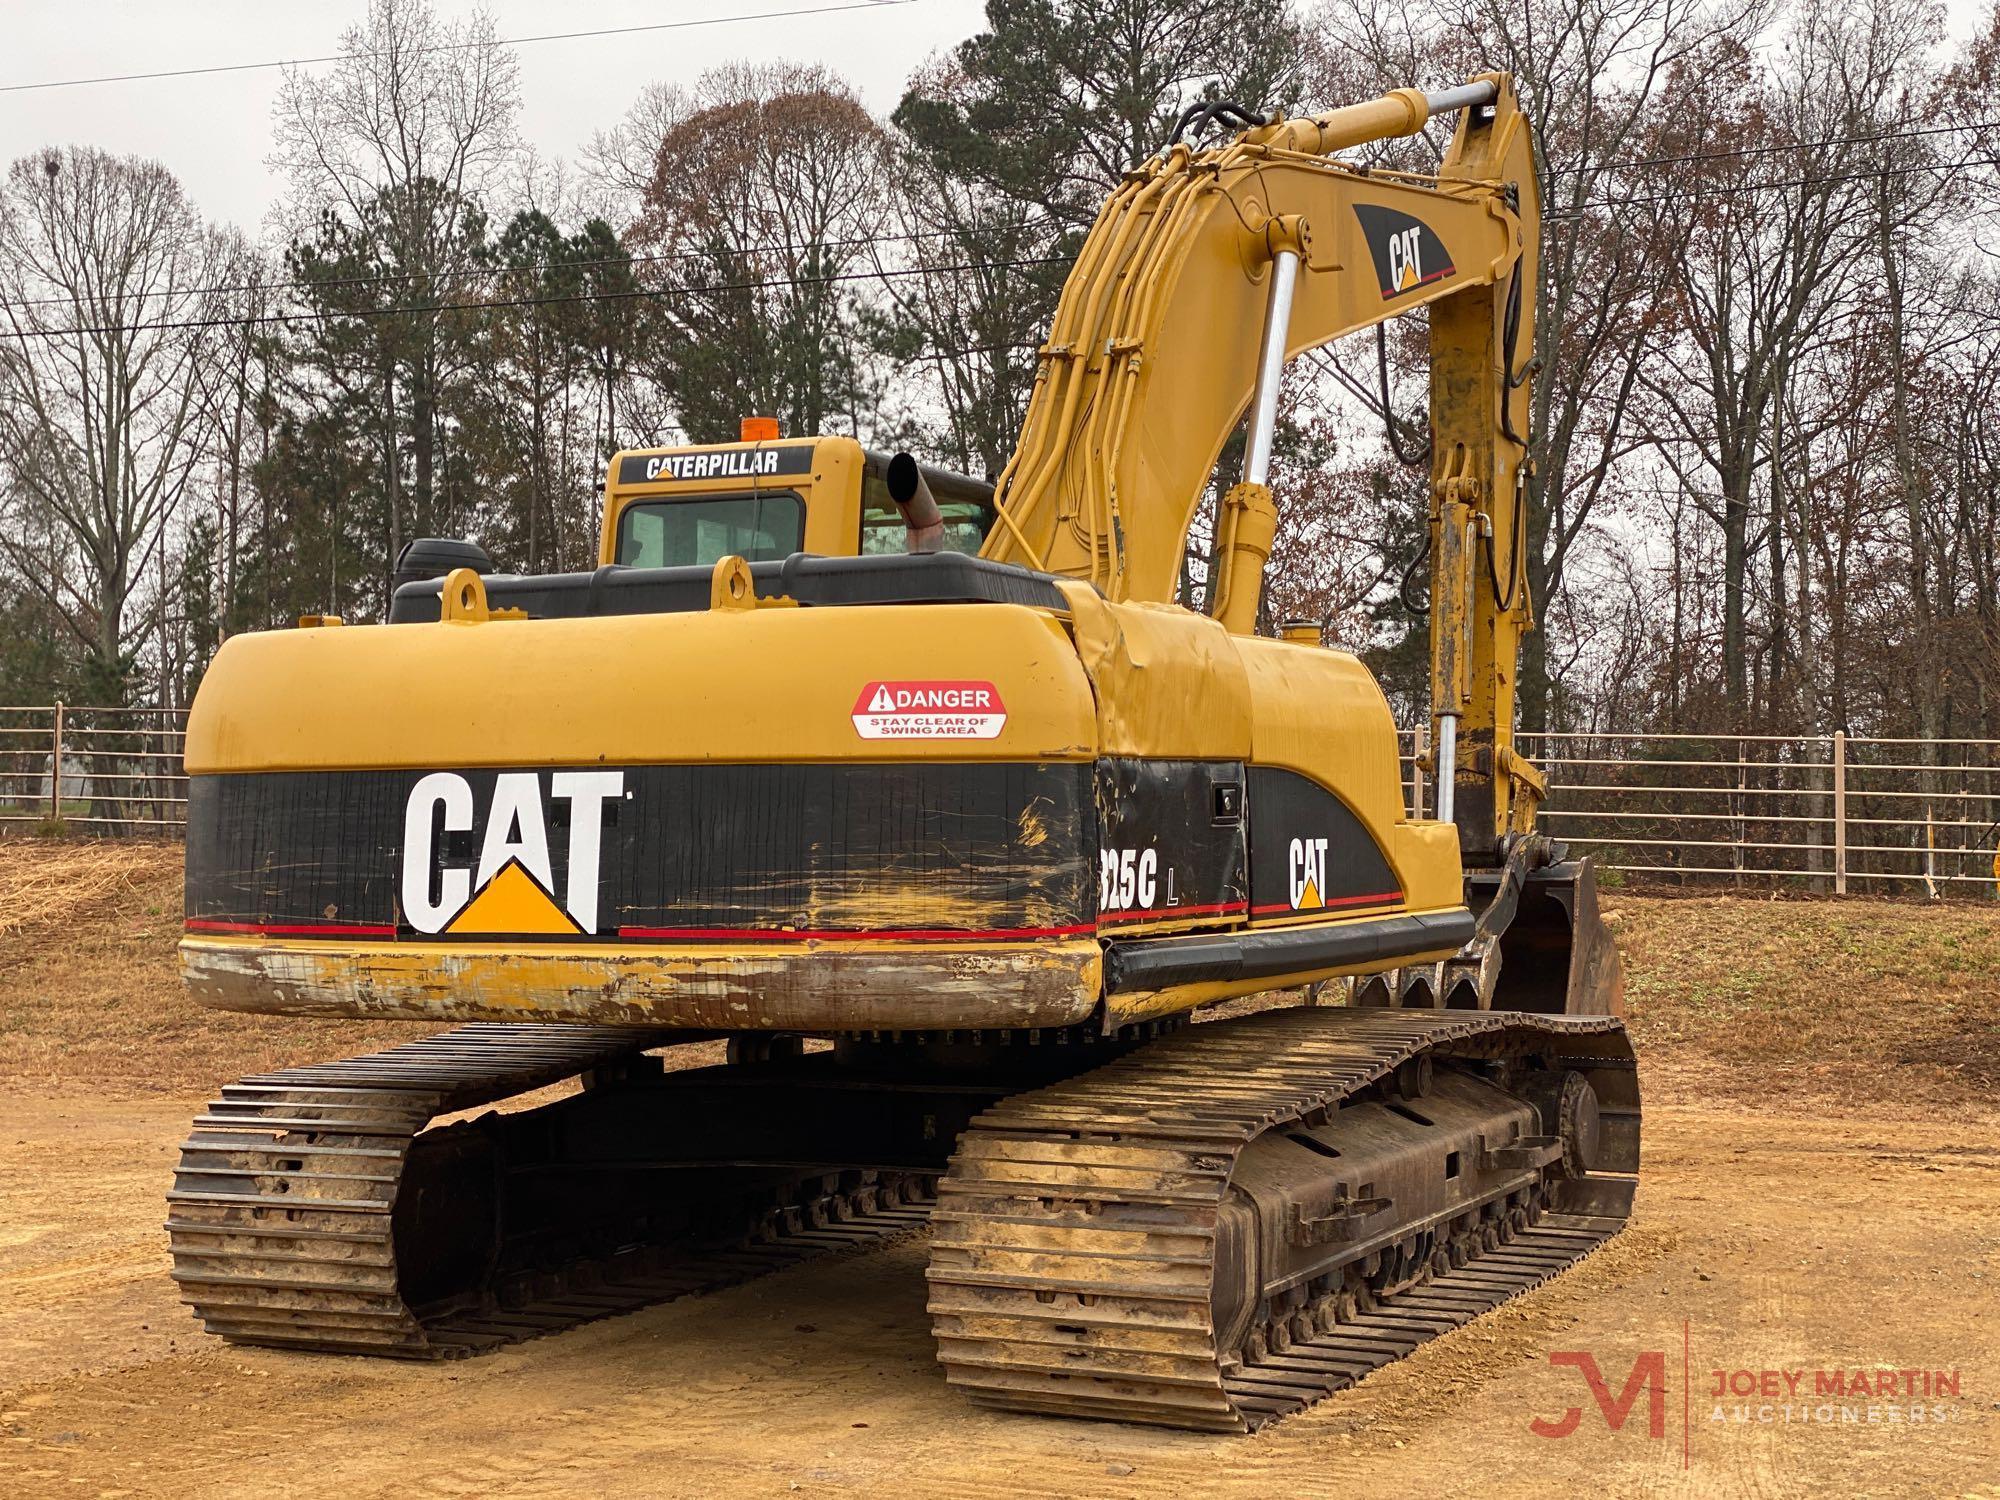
[[42, 885], [1728, 998], [90, 997], [1734, 998]]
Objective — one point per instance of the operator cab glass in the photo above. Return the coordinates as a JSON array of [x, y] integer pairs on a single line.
[[767, 526], [965, 503]]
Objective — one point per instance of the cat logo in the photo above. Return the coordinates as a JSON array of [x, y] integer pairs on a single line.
[[511, 889], [1407, 252], [1307, 865]]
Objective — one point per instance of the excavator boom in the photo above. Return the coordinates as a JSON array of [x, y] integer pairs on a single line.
[[1204, 274]]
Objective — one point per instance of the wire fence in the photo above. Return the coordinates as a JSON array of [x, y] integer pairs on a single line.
[[1828, 813], [110, 772]]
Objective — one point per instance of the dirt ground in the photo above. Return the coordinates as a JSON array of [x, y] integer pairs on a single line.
[[1821, 1194]]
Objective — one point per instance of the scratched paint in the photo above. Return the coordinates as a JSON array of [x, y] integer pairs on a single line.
[[804, 848], [811, 986]]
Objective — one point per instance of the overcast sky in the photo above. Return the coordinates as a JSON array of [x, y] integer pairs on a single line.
[[214, 132]]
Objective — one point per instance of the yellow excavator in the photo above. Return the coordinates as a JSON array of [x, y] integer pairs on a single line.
[[927, 796]]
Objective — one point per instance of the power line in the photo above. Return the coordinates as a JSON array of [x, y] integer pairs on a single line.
[[176, 325], [387, 277], [1743, 151], [767, 283], [1789, 182], [519, 41]]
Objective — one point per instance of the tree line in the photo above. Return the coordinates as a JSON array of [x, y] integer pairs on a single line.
[[1763, 390]]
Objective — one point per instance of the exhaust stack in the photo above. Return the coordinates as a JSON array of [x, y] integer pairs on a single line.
[[919, 507]]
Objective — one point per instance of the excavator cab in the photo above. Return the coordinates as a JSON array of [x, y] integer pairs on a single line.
[[765, 498]]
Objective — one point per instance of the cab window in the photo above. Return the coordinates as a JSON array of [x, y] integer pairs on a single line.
[[699, 531], [967, 517]]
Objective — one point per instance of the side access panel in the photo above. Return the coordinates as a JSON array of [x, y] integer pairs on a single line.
[[1171, 842], [1310, 853]]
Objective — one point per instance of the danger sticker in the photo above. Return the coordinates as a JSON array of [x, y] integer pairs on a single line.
[[929, 711]]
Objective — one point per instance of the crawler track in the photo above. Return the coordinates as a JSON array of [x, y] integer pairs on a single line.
[[313, 1210], [1073, 1268]]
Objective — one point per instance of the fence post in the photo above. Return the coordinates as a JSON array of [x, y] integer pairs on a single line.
[[55, 769], [1840, 812], [1420, 744], [1741, 809]]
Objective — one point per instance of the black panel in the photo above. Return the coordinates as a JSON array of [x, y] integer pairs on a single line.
[[1155, 963], [931, 578], [711, 463], [1309, 852], [928, 847], [1170, 841], [1406, 251]]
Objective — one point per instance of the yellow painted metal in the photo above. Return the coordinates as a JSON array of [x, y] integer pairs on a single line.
[[1400, 112], [1479, 423], [463, 598], [714, 685], [1247, 528], [1151, 363], [822, 985], [1168, 683], [730, 585], [1322, 714]]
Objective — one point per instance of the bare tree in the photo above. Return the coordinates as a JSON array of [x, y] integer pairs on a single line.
[[107, 289], [413, 99], [620, 163], [1591, 73], [978, 272], [1912, 191], [401, 137], [1759, 266], [766, 194]]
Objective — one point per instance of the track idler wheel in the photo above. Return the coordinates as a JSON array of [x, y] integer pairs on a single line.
[[1412, 1077], [1568, 1108]]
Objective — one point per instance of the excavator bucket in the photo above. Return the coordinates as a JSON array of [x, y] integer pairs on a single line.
[[1557, 957], [1542, 947]]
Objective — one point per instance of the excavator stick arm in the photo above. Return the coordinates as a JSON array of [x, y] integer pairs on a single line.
[[1166, 336]]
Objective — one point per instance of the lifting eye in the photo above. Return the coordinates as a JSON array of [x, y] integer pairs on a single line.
[[730, 585], [463, 597]]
